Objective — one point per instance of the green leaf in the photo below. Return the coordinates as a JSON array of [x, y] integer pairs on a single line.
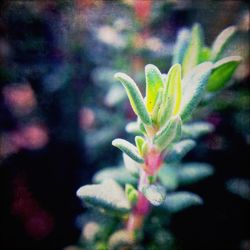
[[196, 129], [119, 174], [172, 93], [156, 194], [157, 106], [180, 149], [191, 58], [168, 177], [205, 54], [222, 41], [193, 87], [135, 97], [222, 72], [177, 201], [168, 133], [132, 166], [107, 196], [128, 149], [180, 49], [153, 84], [139, 141], [193, 172], [131, 193]]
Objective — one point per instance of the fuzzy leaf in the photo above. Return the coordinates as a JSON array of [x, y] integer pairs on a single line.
[[177, 201], [133, 128], [191, 58], [131, 165], [107, 196], [168, 133], [128, 149], [193, 172], [180, 49], [196, 129], [157, 106], [139, 141], [180, 149], [168, 177], [222, 41], [155, 194], [222, 72], [154, 83], [172, 93], [135, 97], [119, 174], [193, 87]]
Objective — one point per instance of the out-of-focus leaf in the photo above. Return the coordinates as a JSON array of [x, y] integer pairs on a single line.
[[120, 240], [178, 201], [168, 133], [222, 72], [135, 97], [193, 87], [193, 172], [119, 174], [155, 194], [153, 84], [222, 41], [240, 187], [132, 166], [107, 196], [180, 49], [128, 149], [115, 95], [205, 54], [196, 129], [180, 149], [191, 58], [131, 193], [133, 128], [168, 177]]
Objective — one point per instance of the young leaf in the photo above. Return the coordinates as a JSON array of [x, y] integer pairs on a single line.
[[139, 141], [131, 193], [194, 172], [180, 49], [178, 201], [154, 83], [157, 106], [168, 133], [222, 72], [222, 41], [191, 58], [128, 149], [172, 93], [196, 129], [180, 149], [119, 174], [156, 194], [107, 196], [193, 87], [205, 54], [135, 97]]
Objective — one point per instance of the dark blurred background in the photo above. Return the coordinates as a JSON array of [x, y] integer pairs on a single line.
[[60, 110]]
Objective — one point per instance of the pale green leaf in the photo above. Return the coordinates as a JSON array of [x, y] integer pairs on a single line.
[[132, 166], [193, 88], [135, 97], [107, 196], [191, 173], [128, 149], [191, 58], [196, 129], [153, 84], [222, 41], [139, 141], [119, 174], [179, 150], [178, 201], [131, 193], [156, 194], [222, 72], [168, 177]]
